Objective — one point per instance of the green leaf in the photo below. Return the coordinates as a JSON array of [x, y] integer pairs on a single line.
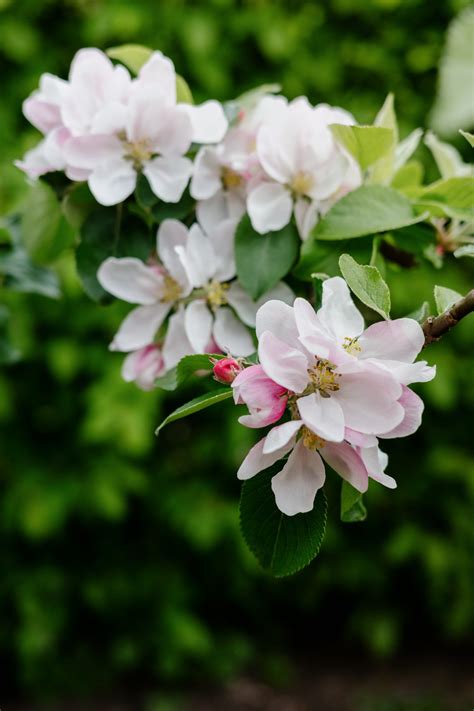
[[186, 367], [367, 284], [176, 210], [282, 544], [262, 260], [199, 403], [366, 144], [323, 257], [45, 231], [77, 204], [455, 192], [468, 136], [368, 210], [383, 169], [447, 158], [453, 107], [318, 278], [183, 92], [420, 314], [467, 250], [406, 148], [146, 198], [134, 56], [352, 504], [408, 176], [445, 298]]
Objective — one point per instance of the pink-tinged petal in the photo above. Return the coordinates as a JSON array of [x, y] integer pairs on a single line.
[[139, 328], [206, 180], [358, 439], [130, 280], [265, 399], [413, 407], [296, 486], [408, 373], [198, 325], [247, 309], [338, 313], [113, 182], [231, 335], [375, 462], [36, 162], [323, 416], [158, 75], [222, 239], [176, 344], [208, 121], [311, 333], [401, 339], [41, 114], [369, 401], [285, 365], [172, 234], [197, 257], [168, 176], [256, 461], [347, 463], [143, 367], [173, 135], [279, 319], [89, 152], [269, 207], [280, 435], [254, 380]]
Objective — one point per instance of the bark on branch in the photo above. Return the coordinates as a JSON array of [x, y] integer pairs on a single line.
[[436, 326]]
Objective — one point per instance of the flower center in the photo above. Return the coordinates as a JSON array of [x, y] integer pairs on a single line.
[[230, 178], [136, 151], [171, 289], [323, 378], [311, 440], [302, 183], [351, 345], [216, 294]]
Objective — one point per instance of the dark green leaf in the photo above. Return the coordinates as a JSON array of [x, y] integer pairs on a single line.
[[318, 278], [282, 544], [367, 284], [352, 504], [262, 260], [323, 257], [186, 367], [176, 210], [144, 194], [199, 403], [45, 231]]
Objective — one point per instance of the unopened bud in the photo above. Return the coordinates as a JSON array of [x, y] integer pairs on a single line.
[[226, 370]]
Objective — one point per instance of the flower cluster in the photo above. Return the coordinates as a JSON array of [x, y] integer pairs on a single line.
[[343, 387]]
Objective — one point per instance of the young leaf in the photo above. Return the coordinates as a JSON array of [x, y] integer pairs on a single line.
[[447, 158], [367, 284], [199, 403], [352, 504], [408, 176], [134, 56], [420, 314], [383, 169], [368, 210], [183, 92], [262, 260], [468, 136], [282, 544], [45, 231], [467, 250], [366, 144], [406, 148], [186, 367], [445, 298], [456, 192]]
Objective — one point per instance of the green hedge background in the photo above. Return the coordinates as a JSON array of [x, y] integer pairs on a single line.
[[121, 560]]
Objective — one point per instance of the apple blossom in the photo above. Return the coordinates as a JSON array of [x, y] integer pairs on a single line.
[[226, 370], [144, 366]]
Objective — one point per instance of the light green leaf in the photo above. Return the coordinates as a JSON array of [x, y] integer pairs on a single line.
[[445, 298], [368, 210], [454, 107], [183, 92], [406, 148], [134, 56], [45, 231], [199, 403], [262, 260], [282, 544], [454, 197], [408, 176], [468, 136], [186, 367], [448, 159], [420, 314], [383, 170], [352, 504], [467, 250], [250, 98], [367, 284], [367, 144], [386, 117]]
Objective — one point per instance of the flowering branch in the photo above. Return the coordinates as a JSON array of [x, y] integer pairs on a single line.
[[436, 326]]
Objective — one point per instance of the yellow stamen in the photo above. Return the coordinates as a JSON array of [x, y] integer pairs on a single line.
[[138, 152], [323, 378], [311, 440], [302, 183], [171, 289], [230, 178], [216, 294], [351, 345]]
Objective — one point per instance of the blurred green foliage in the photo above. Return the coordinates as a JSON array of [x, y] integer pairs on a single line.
[[121, 555]]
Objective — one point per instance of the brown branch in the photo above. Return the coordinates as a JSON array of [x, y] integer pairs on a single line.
[[436, 326]]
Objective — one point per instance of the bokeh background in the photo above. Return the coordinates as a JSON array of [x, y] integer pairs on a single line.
[[123, 574]]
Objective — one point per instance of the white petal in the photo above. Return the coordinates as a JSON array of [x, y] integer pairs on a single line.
[[222, 240], [89, 152], [408, 373], [256, 461], [295, 487], [197, 257], [413, 407], [113, 182], [246, 309], [323, 416], [211, 212], [208, 121], [401, 339], [231, 335], [358, 439], [172, 234], [130, 280], [347, 463], [140, 327], [269, 207], [279, 319], [375, 462], [198, 325], [285, 365], [206, 180], [280, 435], [159, 74], [306, 216], [168, 176], [176, 344], [338, 313]]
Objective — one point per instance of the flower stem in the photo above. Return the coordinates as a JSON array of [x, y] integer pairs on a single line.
[[436, 326]]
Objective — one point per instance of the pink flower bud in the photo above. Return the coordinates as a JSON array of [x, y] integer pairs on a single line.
[[226, 369]]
